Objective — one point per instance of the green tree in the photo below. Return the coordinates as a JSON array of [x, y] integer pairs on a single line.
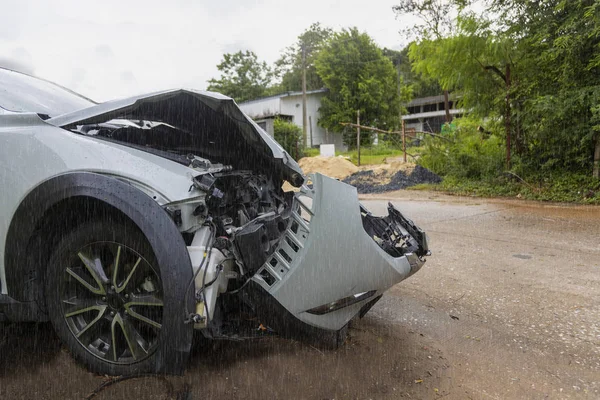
[[559, 42], [289, 136], [533, 73], [359, 77], [435, 17], [475, 62], [243, 76], [436, 20], [419, 85], [289, 66]]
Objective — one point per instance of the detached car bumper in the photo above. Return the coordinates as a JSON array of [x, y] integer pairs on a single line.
[[335, 258]]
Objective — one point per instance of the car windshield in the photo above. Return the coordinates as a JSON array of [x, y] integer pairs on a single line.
[[23, 93]]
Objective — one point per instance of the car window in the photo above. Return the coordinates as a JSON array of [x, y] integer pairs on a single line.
[[24, 93]]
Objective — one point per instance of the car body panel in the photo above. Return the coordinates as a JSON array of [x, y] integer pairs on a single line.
[[336, 258], [189, 109], [33, 151], [162, 234]]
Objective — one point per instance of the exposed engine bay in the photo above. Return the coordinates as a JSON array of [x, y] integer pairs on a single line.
[[234, 221], [231, 227], [245, 215]]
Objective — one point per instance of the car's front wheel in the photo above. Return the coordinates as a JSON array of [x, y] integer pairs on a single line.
[[105, 298]]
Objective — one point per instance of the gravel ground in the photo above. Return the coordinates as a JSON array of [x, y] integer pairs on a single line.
[[507, 307], [369, 182]]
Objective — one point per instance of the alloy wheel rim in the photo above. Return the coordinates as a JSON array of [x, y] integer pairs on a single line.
[[112, 302]]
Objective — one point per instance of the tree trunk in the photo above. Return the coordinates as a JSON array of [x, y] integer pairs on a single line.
[[507, 117], [596, 172], [447, 107], [519, 135]]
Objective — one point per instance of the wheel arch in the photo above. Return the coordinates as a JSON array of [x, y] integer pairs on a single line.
[[61, 203]]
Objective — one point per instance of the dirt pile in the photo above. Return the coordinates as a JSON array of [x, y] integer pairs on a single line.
[[380, 178], [335, 167], [372, 181], [387, 170]]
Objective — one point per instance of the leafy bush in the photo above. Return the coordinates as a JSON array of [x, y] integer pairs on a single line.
[[464, 153], [289, 136]]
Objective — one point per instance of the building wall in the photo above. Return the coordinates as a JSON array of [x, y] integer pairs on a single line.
[[290, 106], [268, 125], [425, 114]]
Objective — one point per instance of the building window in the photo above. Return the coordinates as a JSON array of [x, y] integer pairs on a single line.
[[429, 107], [413, 109]]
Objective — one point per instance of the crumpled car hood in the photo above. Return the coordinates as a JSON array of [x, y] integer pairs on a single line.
[[219, 128]]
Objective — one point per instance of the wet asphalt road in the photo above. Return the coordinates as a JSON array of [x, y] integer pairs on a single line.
[[507, 307]]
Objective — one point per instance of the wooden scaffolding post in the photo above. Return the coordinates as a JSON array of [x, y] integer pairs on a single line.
[[358, 135]]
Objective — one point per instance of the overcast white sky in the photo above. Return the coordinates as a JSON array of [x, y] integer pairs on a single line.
[[116, 48]]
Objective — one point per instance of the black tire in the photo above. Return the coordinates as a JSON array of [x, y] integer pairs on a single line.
[[104, 295]]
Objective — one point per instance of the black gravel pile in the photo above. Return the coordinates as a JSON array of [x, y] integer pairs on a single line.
[[367, 182], [423, 175]]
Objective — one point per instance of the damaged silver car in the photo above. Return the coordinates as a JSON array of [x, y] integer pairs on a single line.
[[129, 224]]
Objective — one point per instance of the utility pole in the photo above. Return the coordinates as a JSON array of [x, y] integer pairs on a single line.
[[310, 129], [404, 140], [358, 134], [304, 113]]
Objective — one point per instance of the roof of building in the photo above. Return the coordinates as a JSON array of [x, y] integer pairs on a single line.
[[433, 114], [285, 94]]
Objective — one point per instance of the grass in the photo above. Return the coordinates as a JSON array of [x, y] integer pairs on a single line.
[[310, 152], [371, 155], [378, 154], [370, 159], [567, 188]]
